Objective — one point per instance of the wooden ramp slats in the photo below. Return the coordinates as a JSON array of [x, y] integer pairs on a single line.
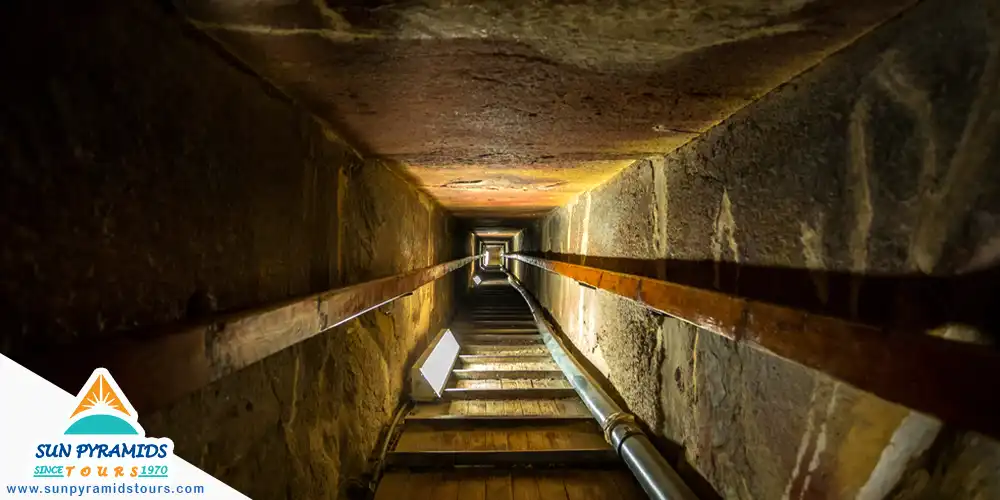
[[472, 437], [526, 314], [508, 383], [548, 365], [502, 380], [470, 331], [507, 393], [495, 408], [518, 484], [501, 349], [499, 338], [503, 321], [479, 374], [460, 458], [509, 425], [520, 320], [504, 358]]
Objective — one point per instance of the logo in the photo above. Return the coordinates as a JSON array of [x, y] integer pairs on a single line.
[[103, 439], [100, 409]]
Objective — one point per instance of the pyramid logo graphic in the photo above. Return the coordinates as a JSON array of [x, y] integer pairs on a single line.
[[103, 409]]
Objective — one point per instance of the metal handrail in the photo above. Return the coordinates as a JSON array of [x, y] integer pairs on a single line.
[[655, 475]]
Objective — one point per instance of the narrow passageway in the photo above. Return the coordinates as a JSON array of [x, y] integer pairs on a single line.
[[482, 249], [508, 423]]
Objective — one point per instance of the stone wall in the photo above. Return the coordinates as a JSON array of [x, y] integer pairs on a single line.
[[148, 178], [876, 166]]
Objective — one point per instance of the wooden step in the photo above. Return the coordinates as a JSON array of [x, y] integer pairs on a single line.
[[514, 383], [476, 330], [466, 458], [505, 393], [545, 364], [479, 374], [472, 436], [475, 444], [499, 338], [498, 409], [503, 321], [518, 318], [501, 349], [501, 312], [504, 358], [481, 308], [540, 483]]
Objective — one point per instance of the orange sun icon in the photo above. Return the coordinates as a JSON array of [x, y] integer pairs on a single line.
[[100, 397]]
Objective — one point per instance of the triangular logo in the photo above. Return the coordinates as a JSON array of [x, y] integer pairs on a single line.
[[103, 409], [100, 396]]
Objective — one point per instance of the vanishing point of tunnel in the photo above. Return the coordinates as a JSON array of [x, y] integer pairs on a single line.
[[450, 249]]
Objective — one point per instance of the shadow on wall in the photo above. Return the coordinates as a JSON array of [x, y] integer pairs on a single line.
[[671, 450], [905, 302]]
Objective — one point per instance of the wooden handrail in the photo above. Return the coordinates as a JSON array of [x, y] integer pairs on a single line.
[[929, 374], [157, 369]]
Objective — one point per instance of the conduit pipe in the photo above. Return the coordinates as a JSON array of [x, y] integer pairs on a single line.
[[655, 475]]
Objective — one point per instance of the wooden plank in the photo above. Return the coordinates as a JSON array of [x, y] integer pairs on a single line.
[[524, 486], [498, 440], [422, 484], [471, 486], [492, 408], [517, 365], [587, 485], [466, 458], [581, 436], [447, 487], [498, 487], [890, 364], [502, 322], [474, 384], [626, 483], [460, 407], [500, 316], [481, 439], [504, 349], [508, 394], [509, 358], [512, 406], [513, 373], [550, 485], [551, 383], [541, 440], [517, 439], [533, 435], [495, 407], [501, 340], [487, 330], [160, 366], [393, 485], [494, 338], [530, 406]]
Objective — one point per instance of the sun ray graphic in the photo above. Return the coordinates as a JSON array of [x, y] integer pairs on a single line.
[[100, 397]]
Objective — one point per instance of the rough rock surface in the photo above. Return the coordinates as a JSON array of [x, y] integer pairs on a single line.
[[148, 179], [510, 109], [879, 161]]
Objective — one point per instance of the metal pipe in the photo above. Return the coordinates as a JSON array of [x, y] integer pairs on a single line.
[[657, 478]]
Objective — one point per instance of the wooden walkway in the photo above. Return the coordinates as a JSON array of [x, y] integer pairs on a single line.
[[508, 426]]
